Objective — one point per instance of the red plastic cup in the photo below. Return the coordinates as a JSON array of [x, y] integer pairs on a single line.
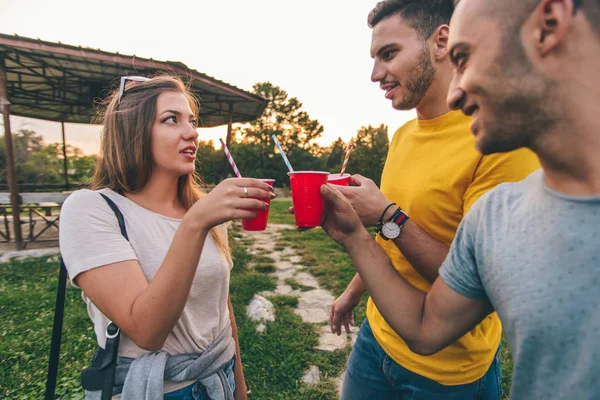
[[259, 223], [306, 196], [337, 179]]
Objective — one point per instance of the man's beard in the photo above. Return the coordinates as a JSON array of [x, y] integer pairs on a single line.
[[522, 104], [418, 83]]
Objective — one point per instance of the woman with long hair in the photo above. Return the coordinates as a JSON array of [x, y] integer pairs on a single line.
[[167, 287]]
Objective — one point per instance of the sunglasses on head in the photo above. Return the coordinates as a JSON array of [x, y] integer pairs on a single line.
[[125, 79]]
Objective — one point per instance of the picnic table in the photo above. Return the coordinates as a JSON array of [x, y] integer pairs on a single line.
[[37, 210]]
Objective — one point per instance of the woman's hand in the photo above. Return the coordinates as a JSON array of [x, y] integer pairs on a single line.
[[234, 198]]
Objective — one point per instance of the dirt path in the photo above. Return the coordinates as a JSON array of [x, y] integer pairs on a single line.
[[313, 301]]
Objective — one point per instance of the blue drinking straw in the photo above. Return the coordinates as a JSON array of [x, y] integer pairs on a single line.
[[285, 159]]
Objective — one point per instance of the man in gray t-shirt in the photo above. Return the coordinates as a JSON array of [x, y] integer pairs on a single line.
[[530, 251], [534, 254]]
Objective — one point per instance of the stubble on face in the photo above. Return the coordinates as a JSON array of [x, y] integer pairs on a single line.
[[419, 81], [522, 104]]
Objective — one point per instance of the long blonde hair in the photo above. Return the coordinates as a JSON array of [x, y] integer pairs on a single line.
[[125, 159]]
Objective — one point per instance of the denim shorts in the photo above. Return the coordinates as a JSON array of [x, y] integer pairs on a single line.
[[372, 374], [196, 391]]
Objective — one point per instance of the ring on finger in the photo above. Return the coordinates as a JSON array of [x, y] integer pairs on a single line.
[[245, 192]]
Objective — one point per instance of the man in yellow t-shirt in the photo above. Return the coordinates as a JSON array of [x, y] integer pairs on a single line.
[[433, 174]]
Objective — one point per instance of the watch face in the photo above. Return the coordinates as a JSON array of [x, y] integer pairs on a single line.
[[391, 230]]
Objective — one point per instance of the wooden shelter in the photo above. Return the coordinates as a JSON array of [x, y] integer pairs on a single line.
[[58, 82]]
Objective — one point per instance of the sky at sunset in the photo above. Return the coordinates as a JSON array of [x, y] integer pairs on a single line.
[[317, 51]]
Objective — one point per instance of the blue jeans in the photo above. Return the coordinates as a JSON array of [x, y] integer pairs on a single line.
[[372, 374], [196, 391]]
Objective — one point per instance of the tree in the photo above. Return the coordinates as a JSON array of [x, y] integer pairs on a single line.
[[246, 158], [26, 143], [335, 156], [370, 148], [295, 131], [209, 162], [35, 162], [81, 169], [40, 163]]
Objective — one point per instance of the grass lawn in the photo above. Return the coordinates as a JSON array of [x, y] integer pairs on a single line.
[[274, 361], [278, 213], [27, 296], [327, 261]]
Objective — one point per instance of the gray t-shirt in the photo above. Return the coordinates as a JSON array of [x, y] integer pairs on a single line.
[[534, 254]]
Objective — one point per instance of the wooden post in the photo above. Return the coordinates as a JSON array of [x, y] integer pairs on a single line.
[[226, 166], [64, 149], [10, 155]]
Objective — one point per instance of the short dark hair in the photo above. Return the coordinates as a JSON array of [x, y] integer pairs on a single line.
[[424, 16]]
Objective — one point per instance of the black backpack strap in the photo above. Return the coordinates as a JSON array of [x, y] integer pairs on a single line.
[[108, 356], [118, 214], [59, 311]]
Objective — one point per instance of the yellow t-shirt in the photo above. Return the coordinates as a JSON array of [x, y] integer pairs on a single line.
[[434, 172]]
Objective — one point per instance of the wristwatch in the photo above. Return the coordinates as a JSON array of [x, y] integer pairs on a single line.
[[392, 228]]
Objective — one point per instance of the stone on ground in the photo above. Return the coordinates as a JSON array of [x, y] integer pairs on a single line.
[[312, 376], [260, 309]]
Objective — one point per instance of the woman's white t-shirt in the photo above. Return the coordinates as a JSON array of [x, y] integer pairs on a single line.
[[90, 237]]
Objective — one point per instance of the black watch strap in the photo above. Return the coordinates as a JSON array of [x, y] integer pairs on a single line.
[[399, 217], [395, 215]]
